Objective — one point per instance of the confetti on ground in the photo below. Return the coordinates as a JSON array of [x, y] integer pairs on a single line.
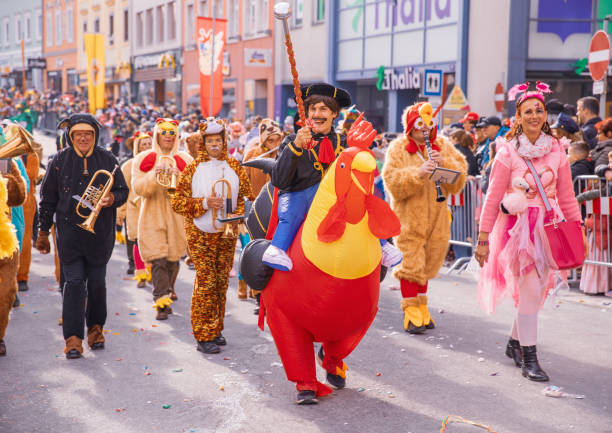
[[581, 301], [116, 314], [378, 374], [494, 374], [245, 371], [154, 325], [557, 392], [481, 359], [186, 400], [441, 311], [177, 370], [121, 409], [226, 358], [43, 386], [607, 303], [116, 333], [147, 373], [361, 389], [131, 314], [106, 331], [453, 418], [119, 359], [391, 395], [276, 364], [221, 388], [167, 406], [135, 330]]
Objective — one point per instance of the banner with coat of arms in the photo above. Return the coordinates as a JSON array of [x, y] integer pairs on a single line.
[[211, 62], [94, 47]]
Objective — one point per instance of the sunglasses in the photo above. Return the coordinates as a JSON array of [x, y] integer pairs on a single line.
[[168, 132]]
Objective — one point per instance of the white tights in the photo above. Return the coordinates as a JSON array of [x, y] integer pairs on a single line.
[[525, 325]]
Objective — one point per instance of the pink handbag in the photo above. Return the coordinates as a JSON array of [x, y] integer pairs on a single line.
[[565, 242]]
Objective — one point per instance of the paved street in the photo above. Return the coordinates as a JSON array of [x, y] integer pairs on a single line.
[[396, 383]]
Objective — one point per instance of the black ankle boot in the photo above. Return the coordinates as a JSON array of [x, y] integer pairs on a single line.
[[531, 368], [513, 351]]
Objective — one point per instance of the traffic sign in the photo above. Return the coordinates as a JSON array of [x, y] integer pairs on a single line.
[[499, 97], [457, 100], [599, 55], [598, 87], [433, 82]]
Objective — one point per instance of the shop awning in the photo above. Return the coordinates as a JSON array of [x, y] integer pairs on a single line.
[[151, 74]]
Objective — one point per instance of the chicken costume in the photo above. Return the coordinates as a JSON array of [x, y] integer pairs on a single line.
[[12, 193], [425, 223], [212, 254], [331, 294], [161, 232], [130, 211]]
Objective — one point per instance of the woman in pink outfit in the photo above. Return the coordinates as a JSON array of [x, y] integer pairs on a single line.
[[512, 248]]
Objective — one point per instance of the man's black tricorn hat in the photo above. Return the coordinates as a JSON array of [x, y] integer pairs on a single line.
[[341, 96]]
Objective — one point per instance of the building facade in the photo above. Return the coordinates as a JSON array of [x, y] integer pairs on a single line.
[[21, 21], [156, 45], [112, 19], [313, 40], [59, 45]]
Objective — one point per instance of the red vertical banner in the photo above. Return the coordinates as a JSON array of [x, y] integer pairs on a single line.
[[206, 57]]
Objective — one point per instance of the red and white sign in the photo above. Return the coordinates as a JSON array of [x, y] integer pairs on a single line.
[[209, 61], [499, 97], [456, 200], [599, 55]]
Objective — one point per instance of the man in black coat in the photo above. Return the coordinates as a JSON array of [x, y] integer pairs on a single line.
[[83, 255], [588, 117]]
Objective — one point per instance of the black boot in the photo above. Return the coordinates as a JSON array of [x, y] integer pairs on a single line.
[[22, 286], [335, 380], [306, 397], [220, 340], [17, 302], [208, 347], [531, 368], [513, 351]]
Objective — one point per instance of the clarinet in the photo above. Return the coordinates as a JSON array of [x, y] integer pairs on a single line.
[[440, 198]]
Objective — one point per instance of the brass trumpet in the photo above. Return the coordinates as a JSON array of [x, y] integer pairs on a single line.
[[166, 176], [92, 199], [228, 230], [18, 141]]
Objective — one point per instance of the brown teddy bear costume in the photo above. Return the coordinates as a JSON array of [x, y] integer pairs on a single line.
[[425, 233], [12, 193]]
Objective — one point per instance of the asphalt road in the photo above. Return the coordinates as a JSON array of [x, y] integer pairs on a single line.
[[396, 382]]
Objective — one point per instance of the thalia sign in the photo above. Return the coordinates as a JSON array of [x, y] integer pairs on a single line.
[[388, 79]]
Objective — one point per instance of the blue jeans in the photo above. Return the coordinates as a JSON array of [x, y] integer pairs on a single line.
[[292, 210]]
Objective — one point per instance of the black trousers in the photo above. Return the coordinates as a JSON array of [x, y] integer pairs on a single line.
[[130, 248], [84, 296]]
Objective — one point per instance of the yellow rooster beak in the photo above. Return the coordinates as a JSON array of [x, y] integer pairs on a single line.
[[364, 162]]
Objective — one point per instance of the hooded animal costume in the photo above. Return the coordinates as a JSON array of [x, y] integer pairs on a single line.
[[161, 232], [425, 223], [32, 164], [212, 254], [83, 255], [130, 211], [267, 129], [12, 193]]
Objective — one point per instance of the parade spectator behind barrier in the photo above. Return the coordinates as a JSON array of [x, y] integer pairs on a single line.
[[580, 165], [481, 145], [554, 107], [599, 153], [288, 126], [464, 143], [565, 126], [588, 117], [469, 121]]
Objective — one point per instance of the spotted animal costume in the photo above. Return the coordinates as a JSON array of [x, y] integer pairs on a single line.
[[212, 255]]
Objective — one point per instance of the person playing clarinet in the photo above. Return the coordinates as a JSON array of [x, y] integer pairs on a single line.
[[425, 220]]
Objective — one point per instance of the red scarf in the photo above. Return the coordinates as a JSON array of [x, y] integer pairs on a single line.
[[413, 147]]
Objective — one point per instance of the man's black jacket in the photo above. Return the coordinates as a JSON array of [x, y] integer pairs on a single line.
[[296, 173], [589, 132], [65, 178]]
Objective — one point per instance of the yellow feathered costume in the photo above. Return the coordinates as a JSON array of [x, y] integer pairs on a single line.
[[8, 237]]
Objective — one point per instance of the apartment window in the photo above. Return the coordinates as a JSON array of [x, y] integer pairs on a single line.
[[59, 35], [84, 32], [233, 11], [49, 29], [171, 22], [18, 29], [149, 27], [69, 25], [218, 5], [39, 25], [126, 23], [262, 15], [203, 9], [319, 11], [27, 26], [298, 12], [250, 17], [111, 29], [189, 25], [159, 22], [139, 29], [6, 32]]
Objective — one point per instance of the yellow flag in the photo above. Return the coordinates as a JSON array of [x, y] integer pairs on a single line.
[[94, 47]]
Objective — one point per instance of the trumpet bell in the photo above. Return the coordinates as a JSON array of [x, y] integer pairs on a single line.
[[19, 142], [89, 223]]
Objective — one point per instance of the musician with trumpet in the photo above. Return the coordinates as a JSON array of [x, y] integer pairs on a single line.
[[161, 232], [420, 204], [80, 193], [211, 189]]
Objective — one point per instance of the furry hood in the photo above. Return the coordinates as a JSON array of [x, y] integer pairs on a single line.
[[169, 126]]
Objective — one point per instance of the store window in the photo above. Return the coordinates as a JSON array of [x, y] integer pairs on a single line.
[[319, 11], [72, 79]]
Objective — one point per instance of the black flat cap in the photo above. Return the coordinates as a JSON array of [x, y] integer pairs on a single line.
[[554, 106], [340, 95]]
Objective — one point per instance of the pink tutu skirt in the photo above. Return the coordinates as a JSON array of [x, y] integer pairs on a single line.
[[517, 247]]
